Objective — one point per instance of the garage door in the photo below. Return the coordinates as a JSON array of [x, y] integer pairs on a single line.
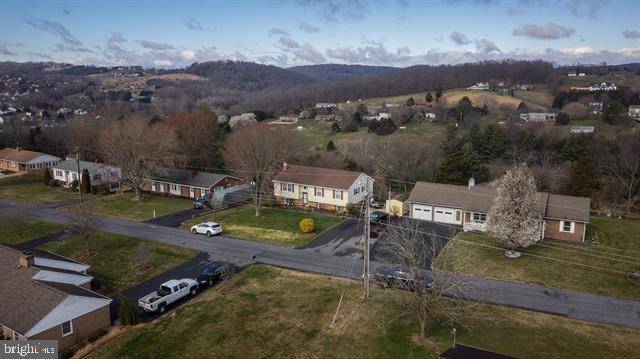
[[420, 211], [446, 215]]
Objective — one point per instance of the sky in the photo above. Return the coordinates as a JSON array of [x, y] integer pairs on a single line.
[[286, 33]]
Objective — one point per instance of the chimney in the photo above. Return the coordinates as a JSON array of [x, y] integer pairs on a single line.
[[18, 149], [285, 166], [472, 182], [26, 260]]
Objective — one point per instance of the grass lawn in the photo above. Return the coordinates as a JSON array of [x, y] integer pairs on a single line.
[[33, 230], [16, 180], [116, 262], [124, 205], [275, 225], [540, 96], [619, 250], [273, 313], [36, 193]]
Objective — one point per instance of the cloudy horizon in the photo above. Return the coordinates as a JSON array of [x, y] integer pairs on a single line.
[[303, 32]]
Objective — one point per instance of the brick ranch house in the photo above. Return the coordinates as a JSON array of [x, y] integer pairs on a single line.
[[21, 160], [322, 188], [45, 296], [564, 217], [190, 184]]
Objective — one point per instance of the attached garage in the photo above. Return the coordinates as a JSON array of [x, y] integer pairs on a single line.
[[421, 211], [447, 215]]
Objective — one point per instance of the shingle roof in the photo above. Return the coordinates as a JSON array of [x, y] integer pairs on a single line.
[[22, 155], [480, 199], [190, 178], [71, 165], [316, 176]]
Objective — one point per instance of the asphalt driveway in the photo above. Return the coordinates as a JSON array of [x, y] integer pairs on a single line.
[[176, 219], [340, 240]]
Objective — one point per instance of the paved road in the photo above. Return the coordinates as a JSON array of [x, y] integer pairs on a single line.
[[571, 304], [41, 241]]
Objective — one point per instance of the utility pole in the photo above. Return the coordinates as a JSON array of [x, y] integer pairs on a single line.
[[79, 174], [367, 236]]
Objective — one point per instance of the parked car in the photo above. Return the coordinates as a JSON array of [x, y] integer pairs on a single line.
[[201, 202], [378, 216], [396, 277], [169, 292], [217, 271], [208, 228]]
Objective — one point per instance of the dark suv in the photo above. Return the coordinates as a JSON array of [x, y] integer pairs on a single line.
[[217, 271]]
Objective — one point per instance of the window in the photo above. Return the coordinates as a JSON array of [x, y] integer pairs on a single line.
[[182, 285], [174, 187], [97, 177], [567, 226], [67, 328], [59, 173], [286, 187], [356, 191], [337, 194], [319, 191], [480, 217]]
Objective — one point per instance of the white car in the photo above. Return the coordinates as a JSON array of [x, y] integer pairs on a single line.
[[208, 228]]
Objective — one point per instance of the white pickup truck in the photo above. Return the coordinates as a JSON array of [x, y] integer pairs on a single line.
[[168, 293]]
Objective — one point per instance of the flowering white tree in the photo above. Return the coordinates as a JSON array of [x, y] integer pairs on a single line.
[[514, 219]]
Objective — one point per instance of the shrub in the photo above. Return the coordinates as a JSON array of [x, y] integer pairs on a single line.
[[86, 181], [47, 176], [74, 184], [352, 210], [128, 313], [307, 225], [53, 183]]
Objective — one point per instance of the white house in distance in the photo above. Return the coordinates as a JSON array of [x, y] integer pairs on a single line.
[[326, 105], [604, 86], [479, 86], [323, 188], [99, 174], [538, 117], [634, 112]]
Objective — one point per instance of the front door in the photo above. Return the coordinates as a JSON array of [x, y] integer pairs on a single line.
[[305, 198]]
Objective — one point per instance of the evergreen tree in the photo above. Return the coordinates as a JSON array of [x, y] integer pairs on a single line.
[[464, 105], [584, 180], [331, 146], [410, 102], [335, 127], [613, 109], [362, 108], [438, 93], [47, 176], [573, 148], [494, 143], [473, 166], [128, 313], [86, 181], [357, 118], [562, 118], [475, 137], [428, 97]]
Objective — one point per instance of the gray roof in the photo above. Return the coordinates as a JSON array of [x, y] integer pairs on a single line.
[[191, 178], [71, 165], [317, 176], [480, 199]]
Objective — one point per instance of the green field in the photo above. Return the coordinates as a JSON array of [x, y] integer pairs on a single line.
[[589, 270], [275, 225], [124, 205], [36, 193], [16, 180], [272, 313], [33, 230], [541, 96], [118, 262]]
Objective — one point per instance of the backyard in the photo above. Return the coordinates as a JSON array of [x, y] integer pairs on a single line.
[[270, 312], [120, 262], [32, 230], [124, 206], [275, 225], [595, 269]]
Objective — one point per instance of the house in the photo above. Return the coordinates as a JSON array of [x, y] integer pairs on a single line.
[[538, 117], [80, 112], [397, 205], [604, 86], [582, 129], [564, 217], [99, 174], [571, 74], [326, 105], [328, 118], [430, 116], [190, 184], [384, 116], [461, 351], [597, 107], [479, 86], [582, 74], [21, 160], [323, 188], [48, 297], [526, 87], [634, 112]]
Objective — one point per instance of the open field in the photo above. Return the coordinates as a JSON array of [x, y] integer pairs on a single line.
[[117, 261], [540, 96], [632, 81], [33, 230], [268, 312], [275, 225], [589, 269], [124, 205], [36, 193]]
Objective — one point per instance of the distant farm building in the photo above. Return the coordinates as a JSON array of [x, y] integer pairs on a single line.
[[538, 117]]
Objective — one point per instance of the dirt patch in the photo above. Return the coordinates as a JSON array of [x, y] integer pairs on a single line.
[[425, 342]]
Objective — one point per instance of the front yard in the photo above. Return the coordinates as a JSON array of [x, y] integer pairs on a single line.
[[119, 262], [33, 230], [124, 206], [267, 312], [36, 193], [275, 225], [618, 250]]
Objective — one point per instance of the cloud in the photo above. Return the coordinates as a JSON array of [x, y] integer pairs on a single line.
[[300, 52], [631, 34], [548, 31], [335, 10], [157, 46], [581, 8], [193, 24], [66, 11], [459, 38], [276, 31], [374, 53], [486, 46], [56, 29], [67, 48], [513, 11], [40, 55], [4, 50], [308, 28]]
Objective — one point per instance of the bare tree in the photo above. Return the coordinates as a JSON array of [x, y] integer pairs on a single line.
[[84, 224], [433, 291], [142, 255], [515, 218], [256, 152], [196, 136], [141, 151], [624, 165], [18, 222]]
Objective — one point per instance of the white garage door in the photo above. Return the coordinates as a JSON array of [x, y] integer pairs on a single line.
[[420, 211], [446, 215]]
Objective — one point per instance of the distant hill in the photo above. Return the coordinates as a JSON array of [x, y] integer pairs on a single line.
[[248, 76], [336, 72]]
